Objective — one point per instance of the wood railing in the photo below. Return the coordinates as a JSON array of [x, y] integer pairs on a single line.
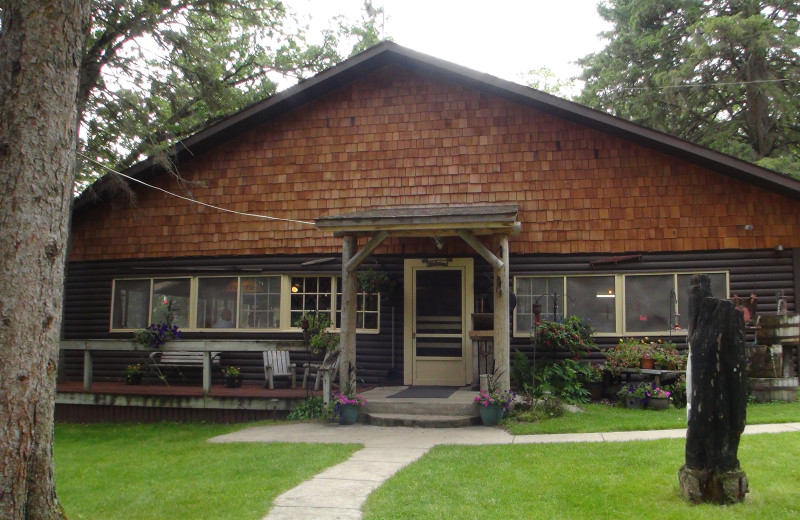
[[191, 345]]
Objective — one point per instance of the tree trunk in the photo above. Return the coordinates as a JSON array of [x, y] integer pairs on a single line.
[[40, 49], [718, 399]]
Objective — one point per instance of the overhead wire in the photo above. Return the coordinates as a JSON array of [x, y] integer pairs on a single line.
[[193, 201]]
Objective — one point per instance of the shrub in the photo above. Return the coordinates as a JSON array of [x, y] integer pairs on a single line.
[[563, 380], [311, 409]]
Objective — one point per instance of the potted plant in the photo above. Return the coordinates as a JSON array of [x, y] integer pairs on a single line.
[[573, 335], [232, 377], [372, 281], [657, 398], [593, 379], [133, 374], [346, 407], [634, 395], [157, 333], [493, 405]]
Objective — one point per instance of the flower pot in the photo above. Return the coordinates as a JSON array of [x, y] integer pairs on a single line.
[[133, 379], [491, 415], [233, 382], [595, 389], [646, 363], [634, 402], [349, 414], [658, 403]]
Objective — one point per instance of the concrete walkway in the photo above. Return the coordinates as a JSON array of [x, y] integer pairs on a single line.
[[339, 492]]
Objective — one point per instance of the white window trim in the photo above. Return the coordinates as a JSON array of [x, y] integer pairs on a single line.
[[285, 309], [619, 300]]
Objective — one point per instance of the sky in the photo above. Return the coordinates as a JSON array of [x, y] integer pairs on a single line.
[[505, 38]]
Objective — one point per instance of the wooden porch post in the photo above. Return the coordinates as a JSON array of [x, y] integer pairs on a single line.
[[348, 329], [502, 357]]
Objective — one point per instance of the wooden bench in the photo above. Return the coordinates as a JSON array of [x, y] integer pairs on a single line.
[[277, 363], [178, 360]]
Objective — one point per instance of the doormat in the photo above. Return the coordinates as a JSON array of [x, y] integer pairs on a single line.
[[426, 392]]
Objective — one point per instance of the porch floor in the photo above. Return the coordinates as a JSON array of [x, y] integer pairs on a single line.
[[176, 390]]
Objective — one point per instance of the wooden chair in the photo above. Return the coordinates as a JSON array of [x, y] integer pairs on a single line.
[[277, 363], [330, 363]]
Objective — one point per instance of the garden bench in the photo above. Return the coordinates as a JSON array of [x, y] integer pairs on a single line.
[[178, 360], [277, 363], [329, 365]]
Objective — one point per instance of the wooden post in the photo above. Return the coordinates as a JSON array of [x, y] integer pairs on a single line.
[[349, 301], [87, 370], [711, 472], [206, 373], [502, 357]]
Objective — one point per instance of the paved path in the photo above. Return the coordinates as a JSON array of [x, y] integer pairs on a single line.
[[339, 492]]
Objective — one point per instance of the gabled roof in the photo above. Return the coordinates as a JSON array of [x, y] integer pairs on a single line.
[[386, 53]]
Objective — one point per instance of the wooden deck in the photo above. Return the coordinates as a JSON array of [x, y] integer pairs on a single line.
[[119, 402]]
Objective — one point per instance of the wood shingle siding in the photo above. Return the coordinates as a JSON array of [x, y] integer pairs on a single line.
[[400, 136]]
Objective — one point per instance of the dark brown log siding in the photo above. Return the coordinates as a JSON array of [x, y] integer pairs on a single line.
[[88, 297]]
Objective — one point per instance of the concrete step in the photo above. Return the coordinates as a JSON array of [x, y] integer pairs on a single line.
[[421, 420], [420, 407]]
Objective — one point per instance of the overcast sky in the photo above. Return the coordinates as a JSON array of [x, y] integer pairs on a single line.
[[505, 38]]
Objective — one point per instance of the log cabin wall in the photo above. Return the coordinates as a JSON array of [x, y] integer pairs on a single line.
[[88, 298]]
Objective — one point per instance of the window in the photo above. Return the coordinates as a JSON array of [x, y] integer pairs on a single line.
[[131, 304], [547, 292], [138, 303], [622, 304], [594, 298], [234, 303], [260, 302], [310, 294], [367, 309]]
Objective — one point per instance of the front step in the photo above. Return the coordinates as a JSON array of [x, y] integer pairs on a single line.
[[455, 411], [421, 421]]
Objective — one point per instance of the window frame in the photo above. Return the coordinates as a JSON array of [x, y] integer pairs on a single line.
[[285, 311], [620, 299]]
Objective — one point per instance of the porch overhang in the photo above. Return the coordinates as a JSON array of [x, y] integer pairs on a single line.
[[425, 221], [496, 221]]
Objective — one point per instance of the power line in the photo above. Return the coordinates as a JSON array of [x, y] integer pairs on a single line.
[[193, 201]]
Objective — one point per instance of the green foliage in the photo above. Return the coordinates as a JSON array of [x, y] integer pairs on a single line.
[[156, 71], [677, 391], [521, 370], [719, 73], [564, 380], [373, 281], [536, 410], [573, 335], [311, 409], [319, 339]]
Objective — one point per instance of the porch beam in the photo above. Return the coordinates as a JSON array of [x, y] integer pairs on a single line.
[[502, 357], [367, 250], [348, 327], [482, 250]]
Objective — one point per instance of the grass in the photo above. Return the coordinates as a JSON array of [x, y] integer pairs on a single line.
[[169, 471], [587, 481], [603, 418]]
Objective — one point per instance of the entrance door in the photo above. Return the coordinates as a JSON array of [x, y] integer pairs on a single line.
[[436, 326]]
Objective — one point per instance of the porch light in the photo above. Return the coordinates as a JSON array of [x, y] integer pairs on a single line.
[[295, 289], [610, 294]]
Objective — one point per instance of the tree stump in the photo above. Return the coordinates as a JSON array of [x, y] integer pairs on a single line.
[[711, 472]]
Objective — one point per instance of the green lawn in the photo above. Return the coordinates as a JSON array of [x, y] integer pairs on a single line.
[[169, 471], [583, 481], [600, 418]]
